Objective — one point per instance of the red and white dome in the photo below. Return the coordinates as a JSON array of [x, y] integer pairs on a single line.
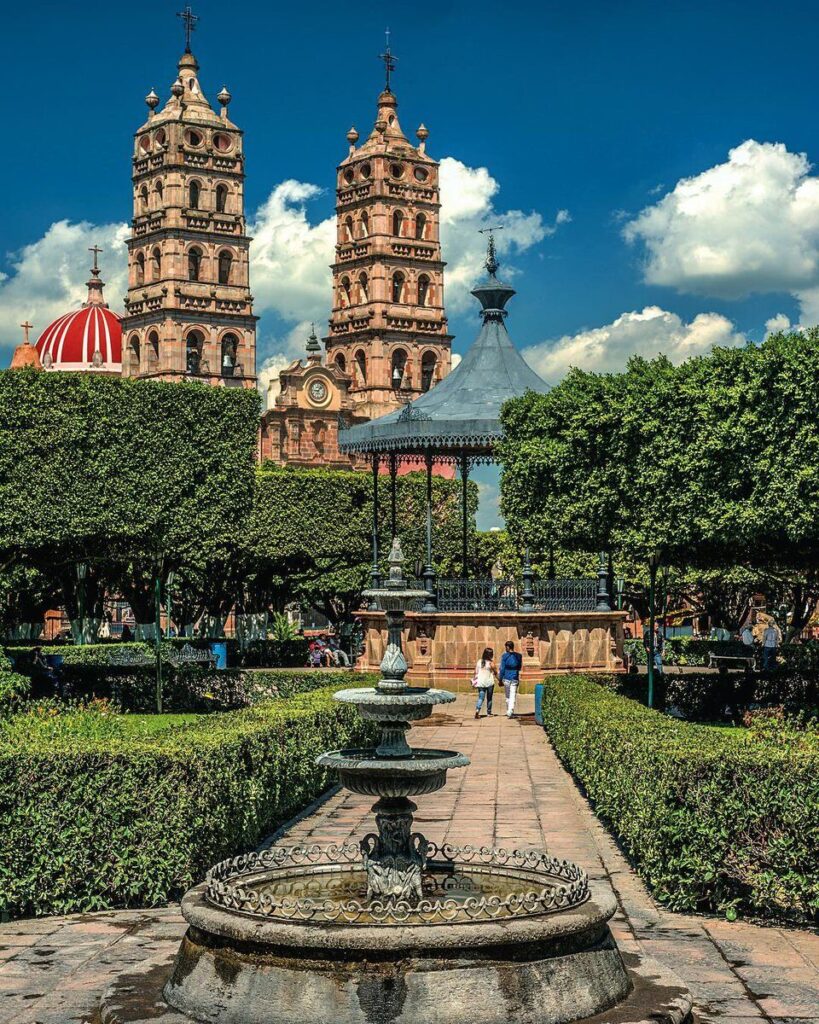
[[89, 338]]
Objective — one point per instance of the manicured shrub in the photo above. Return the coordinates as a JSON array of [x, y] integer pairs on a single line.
[[97, 816], [714, 818]]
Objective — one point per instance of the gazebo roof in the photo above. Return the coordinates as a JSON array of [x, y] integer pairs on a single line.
[[462, 413]]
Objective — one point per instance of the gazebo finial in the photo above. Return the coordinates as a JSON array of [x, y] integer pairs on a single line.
[[491, 262]]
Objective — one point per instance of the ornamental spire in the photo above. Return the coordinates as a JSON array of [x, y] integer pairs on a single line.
[[389, 62], [95, 284], [190, 20], [492, 293], [491, 263]]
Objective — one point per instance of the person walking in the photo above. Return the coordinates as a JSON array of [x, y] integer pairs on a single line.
[[484, 680], [509, 674], [770, 642]]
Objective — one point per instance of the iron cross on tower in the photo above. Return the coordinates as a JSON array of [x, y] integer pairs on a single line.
[[96, 251], [190, 20], [389, 60]]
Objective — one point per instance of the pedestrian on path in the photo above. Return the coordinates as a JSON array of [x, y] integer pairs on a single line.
[[770, 642], [509, 674], [484, 680]]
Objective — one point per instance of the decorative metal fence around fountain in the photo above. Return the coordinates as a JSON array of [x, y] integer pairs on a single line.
[[565, 595], [457, 594], [546, 885]]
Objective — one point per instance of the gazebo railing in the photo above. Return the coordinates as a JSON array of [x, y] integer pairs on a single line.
[[480, 595], [565, 595], [456, 594]]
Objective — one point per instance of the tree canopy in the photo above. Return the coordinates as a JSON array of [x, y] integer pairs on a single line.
[[714, 462]]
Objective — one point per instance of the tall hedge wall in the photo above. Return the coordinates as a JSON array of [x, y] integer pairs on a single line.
[[713, 819], [92, 818]]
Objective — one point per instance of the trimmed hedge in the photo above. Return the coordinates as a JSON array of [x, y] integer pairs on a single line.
[[89, 822], [714, 819], [715, 696]]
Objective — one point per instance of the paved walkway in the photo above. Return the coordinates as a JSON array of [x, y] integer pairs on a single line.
[[514, 793]]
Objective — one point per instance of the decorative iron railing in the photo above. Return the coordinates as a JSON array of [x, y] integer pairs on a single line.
[[486, 595], [565, 595]]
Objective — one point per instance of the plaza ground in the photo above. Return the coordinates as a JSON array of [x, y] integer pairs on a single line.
[[514, 793]]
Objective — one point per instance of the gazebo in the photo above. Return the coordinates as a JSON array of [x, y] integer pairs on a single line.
[[458, 422]]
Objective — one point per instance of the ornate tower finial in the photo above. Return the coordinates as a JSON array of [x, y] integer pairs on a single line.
[[389, 61], [26, 328], [95, 285], [190, 20], [95, 270], [491, 262]]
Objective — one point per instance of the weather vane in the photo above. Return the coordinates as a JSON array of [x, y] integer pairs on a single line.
[[491, 263], [190, 20], [389, 60]]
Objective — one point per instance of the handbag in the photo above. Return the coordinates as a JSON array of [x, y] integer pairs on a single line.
[[475, 680]]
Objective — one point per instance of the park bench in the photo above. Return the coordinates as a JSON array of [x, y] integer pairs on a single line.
[[725, 661]]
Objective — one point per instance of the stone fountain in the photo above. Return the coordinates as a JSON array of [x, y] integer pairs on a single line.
[[397, 929]]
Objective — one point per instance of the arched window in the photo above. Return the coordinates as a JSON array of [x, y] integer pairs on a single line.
[[139, 268], [133, 355], [363, 287], [361, 367], [225, 263], [398, 223], [427, 370], [156, 264], [159, 188], [221, 198], [143, 198], [193, 195], [230, 346], [193, 352], [423, 289], [348, 227], [153, 350], [194, 264], [341, 362], [365, 224], [397, 286], [346, 292], [420, 225], [399, 366]]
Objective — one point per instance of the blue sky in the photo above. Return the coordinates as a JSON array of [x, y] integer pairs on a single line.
[[597, 109]]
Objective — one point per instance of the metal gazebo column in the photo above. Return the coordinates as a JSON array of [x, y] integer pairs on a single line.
[[393, 481], [431, 603], [464, 518], [375, 572]]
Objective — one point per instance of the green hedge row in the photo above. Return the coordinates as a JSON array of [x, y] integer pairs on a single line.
[[90, 820], [688, 650], [714, 819], [257, 654]]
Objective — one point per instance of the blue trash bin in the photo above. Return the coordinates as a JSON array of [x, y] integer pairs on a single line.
[[218, 649], [538, 703], [55, 661]]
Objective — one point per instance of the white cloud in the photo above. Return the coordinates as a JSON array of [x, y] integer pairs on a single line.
[[48, 276], [467, 205], [646, 333], [748, 225], [780, 322], [285, 351]]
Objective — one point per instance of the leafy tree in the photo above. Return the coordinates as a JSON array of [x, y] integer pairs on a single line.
[[714, 462]]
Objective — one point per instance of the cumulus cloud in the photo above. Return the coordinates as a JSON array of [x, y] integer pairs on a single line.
[[48, 276], [748, 225], [777, 323], [646, 333], [285, 350], [468, 205]]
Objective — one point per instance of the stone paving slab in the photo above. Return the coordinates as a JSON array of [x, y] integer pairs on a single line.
[[515, 793]]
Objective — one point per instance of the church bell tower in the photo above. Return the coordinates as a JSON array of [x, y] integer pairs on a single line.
[[388, 328], [189, 312]]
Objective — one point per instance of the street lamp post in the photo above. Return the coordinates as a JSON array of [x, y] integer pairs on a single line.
[[82, 570], [158, 640], [619, 586], [168, 602], [653, 565]]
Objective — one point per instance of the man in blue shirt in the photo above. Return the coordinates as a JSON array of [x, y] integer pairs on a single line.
[[509, 675]]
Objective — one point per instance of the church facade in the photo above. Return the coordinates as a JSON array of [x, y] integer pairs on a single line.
[[189, 308]]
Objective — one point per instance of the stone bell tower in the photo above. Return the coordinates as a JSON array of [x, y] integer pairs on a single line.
[[189, 312], [388, 328]]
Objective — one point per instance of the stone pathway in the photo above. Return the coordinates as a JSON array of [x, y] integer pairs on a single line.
[[515, 793]]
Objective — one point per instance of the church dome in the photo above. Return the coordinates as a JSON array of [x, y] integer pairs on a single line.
[[89, 338]]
